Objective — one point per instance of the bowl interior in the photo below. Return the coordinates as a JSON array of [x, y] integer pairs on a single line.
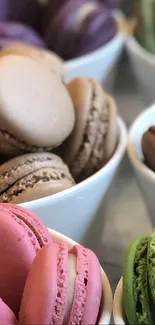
[[118, 312], [106, 306], [90, 181], [142, 123]]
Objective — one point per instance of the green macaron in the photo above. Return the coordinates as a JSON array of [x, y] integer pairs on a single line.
[[135, 283], [151, 269]]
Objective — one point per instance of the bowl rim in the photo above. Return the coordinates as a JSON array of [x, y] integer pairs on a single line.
[[117, 304], [106, 312], [88, 58], [147, 172], [119, 152], [135, 47]]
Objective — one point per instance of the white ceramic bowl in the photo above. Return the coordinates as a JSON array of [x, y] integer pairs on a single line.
[[118, 312], [106, 307], [143, 64], [73, 211], [98, 64], [145, 177]]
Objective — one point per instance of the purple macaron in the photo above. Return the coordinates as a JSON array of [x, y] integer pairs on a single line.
[[11, 33], [25, 11], [79, 28]]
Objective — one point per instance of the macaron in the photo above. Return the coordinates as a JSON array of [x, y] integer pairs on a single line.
[[135, 284], [36, 112], [22, 235], [148, 147], [27, 11], [60, 287], [6, 315], [95, 135], [33, 176], [52, 61], [13, 32], [78, 27]]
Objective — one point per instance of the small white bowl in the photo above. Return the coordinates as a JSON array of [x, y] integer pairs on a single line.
[[99, 63], [118, 312], [145, 176], [106, 307], [73, 211], [143, 65]]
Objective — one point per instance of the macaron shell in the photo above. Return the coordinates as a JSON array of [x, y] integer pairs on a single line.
[[88, 116], [19, 167], [62, 284], [34, 223], [45, 293], [112, 131], [6, 145], [148, 147], [16, 258], [40, 292], [36, 192], [80, 291], [135, 286], [81, 93], [94, 290], [150, 265], [6, 315], [51, 60], [22, 78]]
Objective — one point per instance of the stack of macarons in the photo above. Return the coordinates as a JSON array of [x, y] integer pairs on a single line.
[[52, 133], [139, 281], [41, 280], [58, 25]]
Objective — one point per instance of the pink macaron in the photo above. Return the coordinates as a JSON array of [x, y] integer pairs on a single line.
[[62, 287], [6, 315], [22, 235]]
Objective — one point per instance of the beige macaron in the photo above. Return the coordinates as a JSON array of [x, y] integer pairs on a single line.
[[36, 111], [33, 176], [51, 60], [94, 138]]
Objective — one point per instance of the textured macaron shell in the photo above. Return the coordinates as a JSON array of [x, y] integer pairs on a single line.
[[135, 284], [52, 61], [6, 315], [95, 134], [88, 293], [33, 176], [45, 286], [81, 93], [18, 248], [36, 109], [35, 224]]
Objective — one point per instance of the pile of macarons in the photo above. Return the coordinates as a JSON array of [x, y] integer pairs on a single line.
[[53, 134], [42, 281], [139, 281], [58, 25]]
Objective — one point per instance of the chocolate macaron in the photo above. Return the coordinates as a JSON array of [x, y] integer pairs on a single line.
[[33, 176], [95, 135]]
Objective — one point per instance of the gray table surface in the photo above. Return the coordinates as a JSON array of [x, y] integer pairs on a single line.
[[125, 215]]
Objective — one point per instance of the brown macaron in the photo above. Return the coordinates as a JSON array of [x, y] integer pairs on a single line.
[[36, 111], [51, 60], [94, 138], [148, 147], [33, 176]]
